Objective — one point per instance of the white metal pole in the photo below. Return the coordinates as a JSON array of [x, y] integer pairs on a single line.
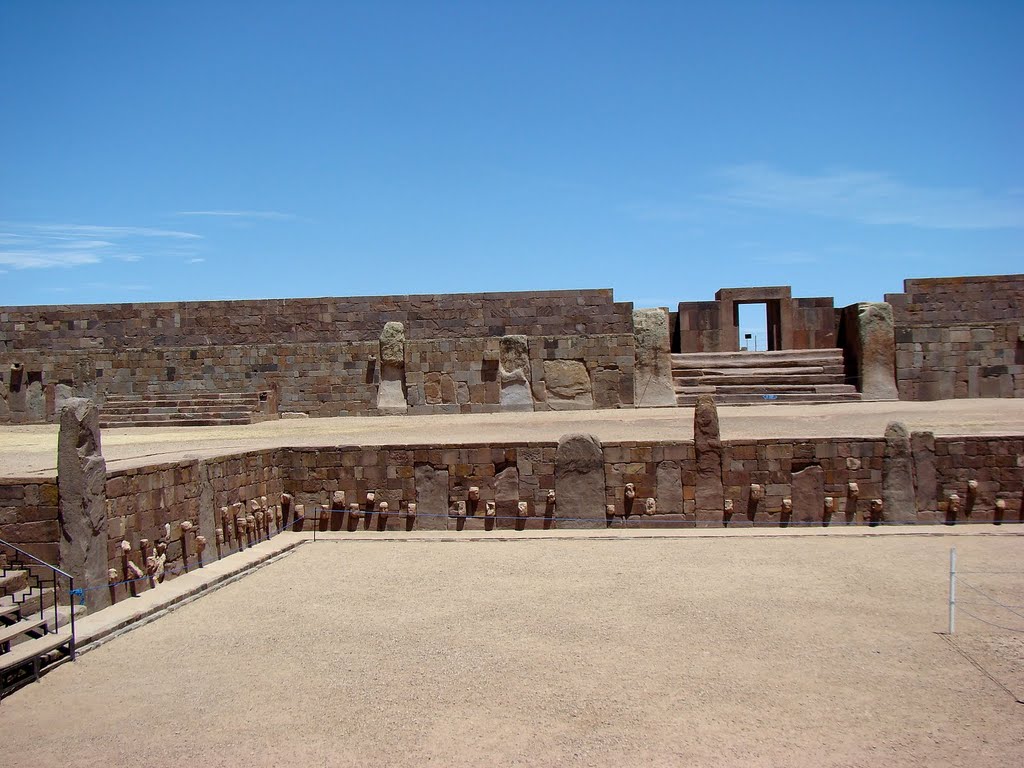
[[952, 589]]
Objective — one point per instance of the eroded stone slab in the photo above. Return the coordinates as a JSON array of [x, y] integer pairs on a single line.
[[899, 503], [876, 342], [707, 443], [669, 488], [514, 374], [579, 481], [431, 497], [391, 395], [82, 500], [567, 385], [808, 495], [652, 374], [926, 485]]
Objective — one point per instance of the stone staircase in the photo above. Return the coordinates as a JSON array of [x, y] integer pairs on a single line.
[[791, 376], [33, 630], [183, 409]]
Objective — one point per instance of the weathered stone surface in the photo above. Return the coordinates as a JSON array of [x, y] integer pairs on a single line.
[[876, 343], [652, 374], [431, 497], [707, 443], [606, 388], [506, 496], [669, 488], [899, 504], [514, 374], [567, 385], [926, 485], [808, 494], [207, 510], [82, 507], [391, 397], [579, 481], [392, 343]]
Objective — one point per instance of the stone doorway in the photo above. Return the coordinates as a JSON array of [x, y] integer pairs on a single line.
[[762, 321]]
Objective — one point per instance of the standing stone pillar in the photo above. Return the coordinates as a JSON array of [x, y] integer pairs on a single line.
[[391, 388], [431, 497], [514, 374], [808, 489], [871, 337], [707, 444], [652, 370], [579, 482], [82, 500], [899, 503], [926, 485]]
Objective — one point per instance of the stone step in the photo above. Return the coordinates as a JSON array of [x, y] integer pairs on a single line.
[[29, 599], [782, 359], [755, 379], [802, 370], [30, 650], [688, 401], [24, 629], [756, 388], [193, 413], [184, 396], [224, 402], [176, 422], [12, 580]]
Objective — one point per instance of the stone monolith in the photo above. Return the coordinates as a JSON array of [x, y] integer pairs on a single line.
[[652, 371], [579, 481], [391, 388], [82, 500], [899, 504], [514, 374], [707, 442]]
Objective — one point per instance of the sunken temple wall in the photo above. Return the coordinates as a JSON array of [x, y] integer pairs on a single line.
[[960, 337], [320, 356]]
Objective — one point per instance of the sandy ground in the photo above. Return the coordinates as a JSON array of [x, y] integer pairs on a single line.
[[798, 651], [31, 450]]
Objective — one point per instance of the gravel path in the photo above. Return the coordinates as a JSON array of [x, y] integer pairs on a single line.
[[702, 652], [32, 450]]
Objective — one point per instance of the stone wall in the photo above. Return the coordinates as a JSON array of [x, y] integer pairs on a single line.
[[766, 483], [295, 321], [28, 516], [960, 337], [333, 379], [802, 323], [141, 501]]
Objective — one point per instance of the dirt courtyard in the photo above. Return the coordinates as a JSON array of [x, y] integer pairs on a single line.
[[757, 650]]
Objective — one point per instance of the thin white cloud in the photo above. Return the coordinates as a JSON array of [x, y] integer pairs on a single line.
[[42, 246], [868, 197], [274, 215], [38, 259], [58, 230], [196, 261]]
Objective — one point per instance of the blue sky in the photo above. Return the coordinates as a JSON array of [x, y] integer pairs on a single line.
[[207, 150]]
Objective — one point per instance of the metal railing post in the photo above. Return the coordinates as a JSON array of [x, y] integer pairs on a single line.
[[952, 590]]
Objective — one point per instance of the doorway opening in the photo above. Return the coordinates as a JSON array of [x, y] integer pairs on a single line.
[[758, 325]]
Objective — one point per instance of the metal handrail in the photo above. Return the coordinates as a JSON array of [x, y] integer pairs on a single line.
[[56, 603], [33, 557]]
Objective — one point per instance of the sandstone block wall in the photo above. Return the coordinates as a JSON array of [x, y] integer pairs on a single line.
[[960, 337], [141, 501], [793, 476], [320, 355], [28, 516], [276, 321]]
